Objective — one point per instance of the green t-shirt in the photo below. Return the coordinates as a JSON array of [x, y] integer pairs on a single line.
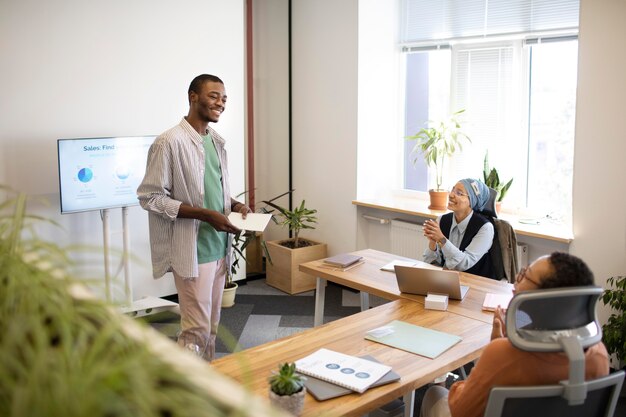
[[211, 243]]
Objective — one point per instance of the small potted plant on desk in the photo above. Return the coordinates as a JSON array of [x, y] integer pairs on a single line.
[[435, 144], [287, 389], [492, 180], [285, 255], [614, 331]]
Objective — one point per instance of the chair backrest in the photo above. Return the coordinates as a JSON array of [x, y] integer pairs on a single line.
[[490, 208], [503, 251], [557, 320]]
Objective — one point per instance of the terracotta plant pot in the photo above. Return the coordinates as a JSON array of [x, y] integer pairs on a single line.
[[293, 403], [438, 200]]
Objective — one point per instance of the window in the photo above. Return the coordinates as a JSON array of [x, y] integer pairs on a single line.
[[517, 89]]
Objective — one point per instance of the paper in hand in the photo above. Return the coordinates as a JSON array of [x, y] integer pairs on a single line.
[[254, 222]]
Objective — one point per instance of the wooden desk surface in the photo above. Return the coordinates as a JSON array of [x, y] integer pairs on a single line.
[[369, 278], [253, 366]]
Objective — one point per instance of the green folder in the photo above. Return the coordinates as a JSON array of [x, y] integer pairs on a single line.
[[416, 339]]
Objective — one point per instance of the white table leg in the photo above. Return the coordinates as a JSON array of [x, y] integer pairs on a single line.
[[365, 300], [409, 403], [320, 296]]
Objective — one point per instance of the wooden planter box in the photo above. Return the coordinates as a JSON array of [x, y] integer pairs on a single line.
[[283, 273]]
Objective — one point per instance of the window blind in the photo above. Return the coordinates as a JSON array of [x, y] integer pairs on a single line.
[[429, 21]]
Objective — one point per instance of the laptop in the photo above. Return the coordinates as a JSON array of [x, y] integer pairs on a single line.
[[421, 281]]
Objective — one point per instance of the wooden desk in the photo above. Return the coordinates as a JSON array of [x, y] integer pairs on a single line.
[[369, 279], [253, 366]]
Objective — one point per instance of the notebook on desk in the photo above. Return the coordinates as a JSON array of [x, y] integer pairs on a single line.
[[421, 281], [323, 390]]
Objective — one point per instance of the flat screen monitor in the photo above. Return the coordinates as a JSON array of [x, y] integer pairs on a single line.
[[101, 173]]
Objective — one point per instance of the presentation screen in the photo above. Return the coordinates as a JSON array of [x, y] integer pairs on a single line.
[[101, 173]]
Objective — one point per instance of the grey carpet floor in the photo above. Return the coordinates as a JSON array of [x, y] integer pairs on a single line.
[[262, 313]]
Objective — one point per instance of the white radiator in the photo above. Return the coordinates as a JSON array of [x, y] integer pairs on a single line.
[[407, 239]]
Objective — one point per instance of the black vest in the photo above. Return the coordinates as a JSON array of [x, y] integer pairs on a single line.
[[484, 265]]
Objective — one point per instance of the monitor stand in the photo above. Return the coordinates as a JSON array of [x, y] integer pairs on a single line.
[[135, 308]]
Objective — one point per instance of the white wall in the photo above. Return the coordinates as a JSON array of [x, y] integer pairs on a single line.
[[72, 68], [324, 112], [599, 211], [325, 102], [271, 104], [381, 109]]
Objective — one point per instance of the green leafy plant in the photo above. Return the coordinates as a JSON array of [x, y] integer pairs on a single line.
[[614, 331], [286, 381], [492, 179], [62, 352], [442, 139], [296, 220]]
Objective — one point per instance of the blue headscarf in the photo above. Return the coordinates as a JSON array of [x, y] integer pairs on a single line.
[[477, 191]]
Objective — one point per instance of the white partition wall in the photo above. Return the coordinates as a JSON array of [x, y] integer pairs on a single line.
[[73, 68]]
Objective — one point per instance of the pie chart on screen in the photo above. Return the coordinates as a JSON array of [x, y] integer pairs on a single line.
[[85, 175], [122, 172]]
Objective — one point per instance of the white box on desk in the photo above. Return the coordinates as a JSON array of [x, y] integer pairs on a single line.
[[436, 302]]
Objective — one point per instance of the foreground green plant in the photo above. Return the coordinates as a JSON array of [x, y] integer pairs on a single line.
[[63, 354]]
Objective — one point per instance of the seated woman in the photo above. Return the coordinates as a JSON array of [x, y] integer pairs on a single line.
[[461, 240]]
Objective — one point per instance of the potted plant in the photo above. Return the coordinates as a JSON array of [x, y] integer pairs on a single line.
[[443, 139], [614, 331], [285, 255], [492, 180], [243, 242], [287, 389], [240, 242]]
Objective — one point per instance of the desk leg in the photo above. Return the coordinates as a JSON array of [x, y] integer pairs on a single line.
[[409, 403], [320, 296], [365, 301]]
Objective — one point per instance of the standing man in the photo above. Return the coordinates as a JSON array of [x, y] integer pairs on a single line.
[[186, 192]]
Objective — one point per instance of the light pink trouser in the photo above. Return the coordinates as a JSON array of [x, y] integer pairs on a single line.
[[200, 302]]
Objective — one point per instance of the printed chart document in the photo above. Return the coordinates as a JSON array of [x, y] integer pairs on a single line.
[[323, 390], [414, 339], [254, 222], [494, 300], [347, 371]]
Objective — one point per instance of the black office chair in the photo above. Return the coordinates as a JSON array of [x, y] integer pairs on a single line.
[[557, 320]]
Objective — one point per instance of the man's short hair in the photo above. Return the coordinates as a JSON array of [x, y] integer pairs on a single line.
[[567, 271], [196, 83]]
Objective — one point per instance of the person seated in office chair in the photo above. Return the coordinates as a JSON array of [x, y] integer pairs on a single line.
[[461, 240], [501, 364]]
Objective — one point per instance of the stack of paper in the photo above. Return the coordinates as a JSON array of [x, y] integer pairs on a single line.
[[494, 300], [343, 261]]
